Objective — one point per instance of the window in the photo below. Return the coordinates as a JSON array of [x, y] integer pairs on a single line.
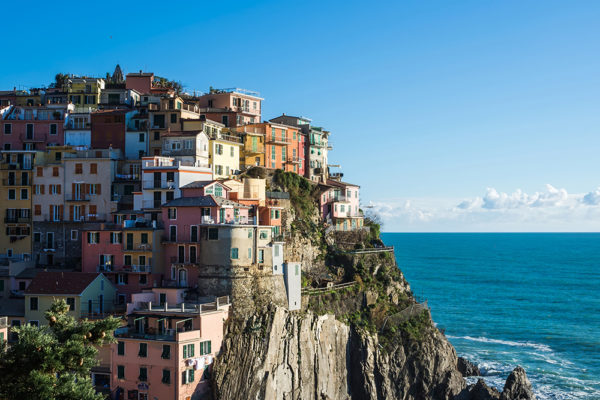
[[166, 351], [166, 376], [37, 237], [232, 151], [172, 213], [250, 253], [144, 238], [71, 303], [29, 131], [156, 135], [173, 118], [141, 138], [73, 234], [120, 348], [53, 129], [143, 278], [12, 194], [33, 303], [34, 323], [79, 168], [173, 233], [143, 374], [273, 153], [283, 153], [37, 209], [218, 191], [93, 237], [120, 372], [188, 350], [205, 347], [24, 194], [213, 234], [116, 237], [93, 168], [143, 350], [7, 129], [234, 253], [264, 234], [193, 233], [159, 121], [127, 259]]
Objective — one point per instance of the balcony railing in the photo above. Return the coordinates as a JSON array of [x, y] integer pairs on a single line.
[[124, 268], [137, 247], [292, 160], [79, 197], [270, 140], [159, 185], [37, 137], [17, 220], [15, 182], [151, 203]]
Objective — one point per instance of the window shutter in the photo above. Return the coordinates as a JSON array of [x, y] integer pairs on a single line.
[[185, 351], [42, 188], [58, 190], [71, 213], [209, 350], [60, 211], [98, 188]]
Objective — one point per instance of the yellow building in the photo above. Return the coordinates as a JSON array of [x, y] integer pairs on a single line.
[[253, 152], [89, 295], [15, 204], [84, 92]]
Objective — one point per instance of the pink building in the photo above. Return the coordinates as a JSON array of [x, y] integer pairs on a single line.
[[129, 254], [340, 205], [231, 107], [167, 349], [33, 127]]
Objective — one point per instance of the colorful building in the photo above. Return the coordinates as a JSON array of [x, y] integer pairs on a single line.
[[16, 194], [89, 295], [84, 92], [168, 347], [316, 147], [161, 179], [129, 254], [34, 127], [187, 147], [340, 205], [231, 107]]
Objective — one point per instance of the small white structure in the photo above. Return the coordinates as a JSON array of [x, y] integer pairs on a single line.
[[277, 258], [292, 275]]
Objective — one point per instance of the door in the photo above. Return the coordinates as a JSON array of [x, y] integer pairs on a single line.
[[162, 298], [101, 302], [129, 241], [182, 277], [157, 199], [157, 176]]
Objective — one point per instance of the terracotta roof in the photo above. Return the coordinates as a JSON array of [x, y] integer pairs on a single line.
[[200, 201], [61, 282]]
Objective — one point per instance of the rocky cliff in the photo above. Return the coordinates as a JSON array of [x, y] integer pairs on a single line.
[[366, 337]]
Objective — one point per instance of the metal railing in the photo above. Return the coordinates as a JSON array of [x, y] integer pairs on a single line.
[[411, 311], [311, 291], [159, 185]]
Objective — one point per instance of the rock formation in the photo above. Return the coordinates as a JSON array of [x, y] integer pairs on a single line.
[[467, 368]]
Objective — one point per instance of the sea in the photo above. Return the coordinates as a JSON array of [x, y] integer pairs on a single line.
[[508, 299]]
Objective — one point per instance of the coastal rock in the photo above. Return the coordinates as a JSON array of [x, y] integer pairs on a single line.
[[481, 391], [517, 386], [287, 355], [467, 368]]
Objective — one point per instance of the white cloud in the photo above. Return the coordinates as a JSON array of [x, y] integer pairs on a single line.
[[552, 209], [592, 198]]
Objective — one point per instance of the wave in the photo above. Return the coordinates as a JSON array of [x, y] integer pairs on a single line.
[[481, 339]]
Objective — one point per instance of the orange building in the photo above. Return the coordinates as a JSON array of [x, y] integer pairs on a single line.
[[284, 146]]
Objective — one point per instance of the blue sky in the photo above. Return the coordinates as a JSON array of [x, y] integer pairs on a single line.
[[431, 105]]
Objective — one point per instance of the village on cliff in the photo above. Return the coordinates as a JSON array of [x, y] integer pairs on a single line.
[[126, 196]]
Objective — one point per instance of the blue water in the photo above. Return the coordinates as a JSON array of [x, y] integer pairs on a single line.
[[530, 299]]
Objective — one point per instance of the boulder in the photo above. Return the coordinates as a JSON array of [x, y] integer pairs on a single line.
[[517, 386], [467, 368]]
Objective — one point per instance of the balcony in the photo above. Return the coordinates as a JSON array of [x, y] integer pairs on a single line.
[[16, 166], [15, 182], [293, 160], [277, 141], [17, 220], [34, 138], [159, 185], [79, 197], [124, 268], [138, 247], [151, 204]]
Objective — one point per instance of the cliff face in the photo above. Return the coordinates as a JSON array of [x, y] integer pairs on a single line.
[[283, 355], [367, 339]]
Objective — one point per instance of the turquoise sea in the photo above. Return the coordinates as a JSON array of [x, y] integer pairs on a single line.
[[507, 299]]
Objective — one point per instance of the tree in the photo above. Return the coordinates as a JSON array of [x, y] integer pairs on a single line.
[[53, 362], [60, 80]]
